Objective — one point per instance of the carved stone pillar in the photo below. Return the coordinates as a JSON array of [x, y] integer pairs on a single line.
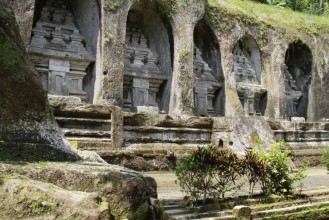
[[113, 28], [183, 22]]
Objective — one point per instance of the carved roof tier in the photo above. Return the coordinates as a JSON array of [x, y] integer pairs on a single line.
[[56, 35], [139, 59]]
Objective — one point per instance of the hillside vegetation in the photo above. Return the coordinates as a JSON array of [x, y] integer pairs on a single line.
[[224, 14]]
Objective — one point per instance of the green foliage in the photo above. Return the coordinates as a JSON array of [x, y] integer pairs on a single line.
[[167, 7], [207, 173], [325, 157], [9, 11], [183, 55], [277, 177], [224, 15], [9, 56], [210, 173], [42, 205], [309, 6], [254, 169], [113, 6]]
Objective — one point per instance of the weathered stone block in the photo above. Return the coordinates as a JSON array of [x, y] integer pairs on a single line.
[[242, 212]]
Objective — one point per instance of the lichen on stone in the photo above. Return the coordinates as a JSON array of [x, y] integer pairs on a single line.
[[113, 5], [183, 55], [167, 7]]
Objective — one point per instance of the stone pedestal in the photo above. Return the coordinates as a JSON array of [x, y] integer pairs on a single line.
[[249, 95]]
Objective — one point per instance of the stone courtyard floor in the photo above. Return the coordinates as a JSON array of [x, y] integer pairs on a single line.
[[317, 179]]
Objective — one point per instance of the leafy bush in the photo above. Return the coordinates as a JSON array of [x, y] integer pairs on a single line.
[[325, 157], [207, 173], [275, 174], [210, 173], [254, 169]]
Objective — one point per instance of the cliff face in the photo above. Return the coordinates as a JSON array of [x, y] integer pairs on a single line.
[[28, 130], [275, 30]]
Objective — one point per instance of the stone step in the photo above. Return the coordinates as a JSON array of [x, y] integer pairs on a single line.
[[165, 141], [266, 214], [173, 206], [307, 152], [89, 139], [177, 212], [82, 111], [302, 136], [315, 198], [84, 123], [92, 144], [83, 120], [154, 129], [146, 134], [86, 133]]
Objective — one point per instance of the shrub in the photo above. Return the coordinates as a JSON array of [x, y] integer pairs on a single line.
[[277, 177], [207, 173], [228, 168], [210, 173], [254, 169]]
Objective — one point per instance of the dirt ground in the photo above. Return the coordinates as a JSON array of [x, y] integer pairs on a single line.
[[317, 178]]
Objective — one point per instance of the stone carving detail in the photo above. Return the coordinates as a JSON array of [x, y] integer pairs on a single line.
[[58, 52], [248, 83], [142, 76], [293, 95], [205, 86]]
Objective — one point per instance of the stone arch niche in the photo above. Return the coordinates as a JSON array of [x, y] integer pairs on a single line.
[[208, 74], [64, 45], [148, 60], [248, 75], [297, 73]]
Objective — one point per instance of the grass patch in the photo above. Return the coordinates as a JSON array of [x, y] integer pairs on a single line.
[[307, 213], [246, 11]]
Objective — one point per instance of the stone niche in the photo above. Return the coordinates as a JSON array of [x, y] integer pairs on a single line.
[[297, 72], [208, 74], [58, 51], [205, 86], [248, 71], [147, 64]]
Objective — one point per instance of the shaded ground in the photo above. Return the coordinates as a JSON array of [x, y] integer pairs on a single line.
[[317, 178]]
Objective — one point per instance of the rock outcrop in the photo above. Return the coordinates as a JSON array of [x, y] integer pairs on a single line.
[[74, 191], [28, 130]]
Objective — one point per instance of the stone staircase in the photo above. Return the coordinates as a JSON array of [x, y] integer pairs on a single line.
[[166, 132], [87, 126], [261, 208]]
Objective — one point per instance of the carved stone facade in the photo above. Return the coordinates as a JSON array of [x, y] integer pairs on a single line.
[[248, 82], [142, 76], [58, 51], [138, 63], [205, 86]]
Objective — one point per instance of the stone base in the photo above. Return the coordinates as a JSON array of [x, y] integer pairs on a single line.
[[60, 99], [148, 109], [298, 119]]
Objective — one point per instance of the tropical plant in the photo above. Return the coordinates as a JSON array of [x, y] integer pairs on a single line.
[[208, 173], [279, 176]]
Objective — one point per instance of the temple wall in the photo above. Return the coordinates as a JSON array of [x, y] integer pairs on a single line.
[[172, 36]]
